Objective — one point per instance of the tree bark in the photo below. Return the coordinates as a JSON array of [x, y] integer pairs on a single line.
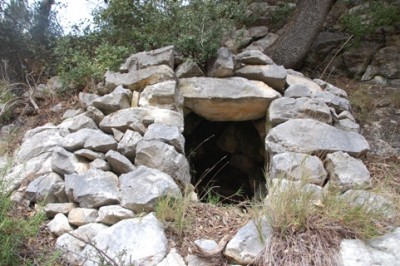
[[292, 46]]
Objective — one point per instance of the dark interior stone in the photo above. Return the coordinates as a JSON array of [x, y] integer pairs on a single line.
[[226, 158]]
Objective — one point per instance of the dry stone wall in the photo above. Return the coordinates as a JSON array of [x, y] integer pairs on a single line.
[[102, 169]]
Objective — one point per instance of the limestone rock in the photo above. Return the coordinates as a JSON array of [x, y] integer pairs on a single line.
[[347, 125], [120, 98], [258, 31], [92, 189], [292, 79], [340, 104], [304, 136], [141, 188], [86, 99], [161, 56], [113, 214], [189, 69], [94, 114], [162, 95], [283, 109], [46, 188], [330, 88], [119, 163], [137, 241], [253, 57], [100, 164], [170, 162], [127, 145], [167, 134], [173, 258], [356, 59], [134, 118], [388, 243], [100, 142], [233, 99], [51, 209], [223, 64], [263, 44], [346, 171], [81, 121], [64, 162], [137, 80], [59, 225], [298, 166], [248, 242], [82, 216], [298, 91], [282, 185], [272, 75], [70, 246], [89, 154], [38, 141], [72, 112], [346, 115]]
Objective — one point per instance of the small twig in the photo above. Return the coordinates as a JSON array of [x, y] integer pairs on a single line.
[[337, 52]]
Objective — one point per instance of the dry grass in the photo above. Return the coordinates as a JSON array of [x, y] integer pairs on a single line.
[[308, 229]]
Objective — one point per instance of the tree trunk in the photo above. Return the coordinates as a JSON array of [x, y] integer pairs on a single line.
[[292, 46]]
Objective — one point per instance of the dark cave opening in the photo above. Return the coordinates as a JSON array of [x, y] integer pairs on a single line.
[[226, 159]]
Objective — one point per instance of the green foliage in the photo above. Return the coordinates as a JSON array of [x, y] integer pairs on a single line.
[[14, 231], [366, 19], [82, 60], [281, 15]]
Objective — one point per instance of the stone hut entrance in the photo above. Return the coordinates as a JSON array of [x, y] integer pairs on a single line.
[[226, 158]]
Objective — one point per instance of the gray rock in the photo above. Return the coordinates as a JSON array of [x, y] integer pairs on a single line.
[[82, 216], [100, 164], [173, 258], [346, 115], [253, 57], [137, 241], [297, 91], [120, 98], [304, 136], [86, 99], [135, 119], [46, 188], [294, 79], [171, 162], [89, 154], [76, 140], [64, 162], [100, 142], [347, 125], [117, 134], [119, 163], [222, 66], [232, 99], [263, 44], [283, 109], [356, 59], [127, 145], [332, 89], [189, 69], [340, 104], [38, 141], [94, 114], [137, 80], [281, 185], [161, 56], [51, 209], [388, 243], [298, 166], [72, 112], [346, 171], [258, 31], [70, 246], [141, 188], [167, 134], [92, 189], [113, 214], [162, 95], [354, 252], [273, 75], [59, 225], [248, 242], [81, 121]]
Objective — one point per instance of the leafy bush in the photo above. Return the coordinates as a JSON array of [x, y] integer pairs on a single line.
[[370, 16]]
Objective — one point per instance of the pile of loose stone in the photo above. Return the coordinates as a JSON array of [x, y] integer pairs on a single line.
[[102, 169]]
